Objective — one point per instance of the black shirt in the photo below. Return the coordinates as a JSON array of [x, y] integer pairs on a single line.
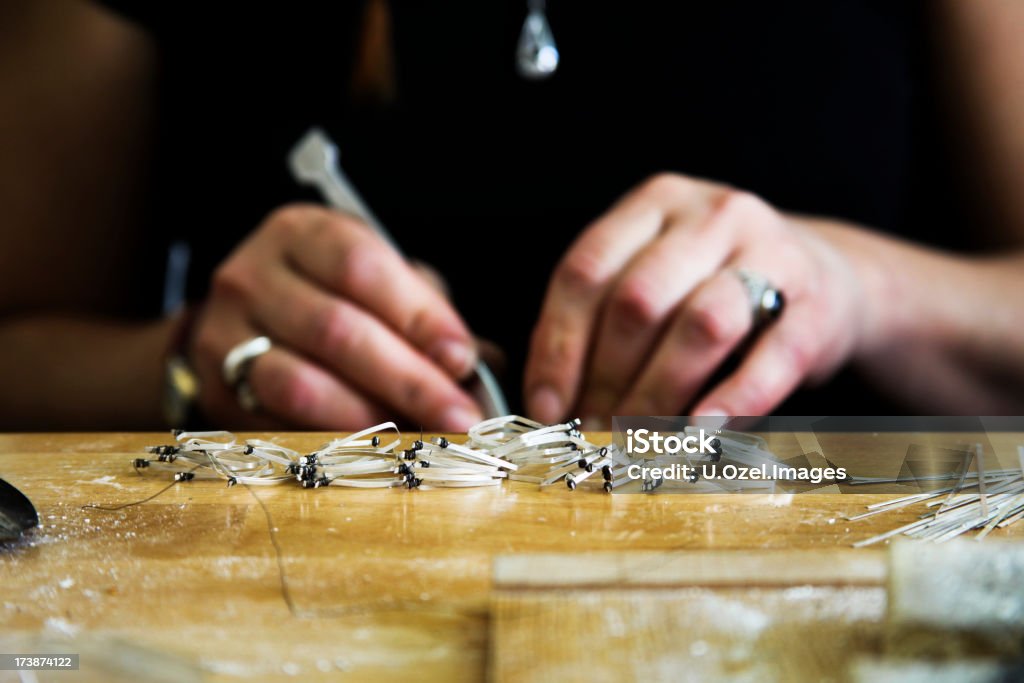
[[818, 107]]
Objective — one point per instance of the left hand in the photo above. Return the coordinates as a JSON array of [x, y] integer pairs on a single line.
[[646, 305]]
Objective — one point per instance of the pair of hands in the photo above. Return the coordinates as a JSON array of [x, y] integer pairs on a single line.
[[639, 313]]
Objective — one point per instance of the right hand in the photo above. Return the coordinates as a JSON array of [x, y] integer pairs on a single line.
[[359, 335]]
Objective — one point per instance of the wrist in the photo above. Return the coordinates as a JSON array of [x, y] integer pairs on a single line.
[[878, 286], [180, 388], [911, 294]]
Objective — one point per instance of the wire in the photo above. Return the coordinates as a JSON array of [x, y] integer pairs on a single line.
[[286, 592], [114, 508]]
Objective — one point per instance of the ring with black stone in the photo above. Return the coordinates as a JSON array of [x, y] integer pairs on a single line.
[[766, 301]]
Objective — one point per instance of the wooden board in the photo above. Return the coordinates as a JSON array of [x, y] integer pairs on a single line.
[[699, 615], [711, 568], [384, 584], [789, 635]]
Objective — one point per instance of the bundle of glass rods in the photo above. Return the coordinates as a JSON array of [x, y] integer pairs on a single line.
[[371, 458], [496, 450], [367, 459], [981, 500]]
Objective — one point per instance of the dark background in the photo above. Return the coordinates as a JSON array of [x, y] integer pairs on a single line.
[[819, 107]]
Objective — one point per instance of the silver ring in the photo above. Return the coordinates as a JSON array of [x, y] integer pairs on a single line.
[[766, 301], [235, 370]]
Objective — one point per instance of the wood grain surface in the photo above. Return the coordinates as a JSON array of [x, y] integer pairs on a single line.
[[793, 635], [290, 584]]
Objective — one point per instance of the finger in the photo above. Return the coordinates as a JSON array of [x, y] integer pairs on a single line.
[[432, 277], [776, 365], [290, 389], [349, 260], [568, 317], [362, 350], [708, 326], [303, 393], [209, 346], [641, 303]]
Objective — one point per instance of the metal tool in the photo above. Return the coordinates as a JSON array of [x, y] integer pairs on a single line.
[[17, 514], [314, 161]]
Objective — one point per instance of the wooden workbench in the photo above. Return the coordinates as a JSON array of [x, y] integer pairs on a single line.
[[383, 584]]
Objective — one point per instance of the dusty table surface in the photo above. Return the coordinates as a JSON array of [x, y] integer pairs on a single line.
[[377, 584]]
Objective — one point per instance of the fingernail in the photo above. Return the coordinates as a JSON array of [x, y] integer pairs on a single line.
[[711, 412], [456, 357], [459, 419], [545, 404]]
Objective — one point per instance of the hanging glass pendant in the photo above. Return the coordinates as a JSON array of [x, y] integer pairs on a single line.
[[536, 54]]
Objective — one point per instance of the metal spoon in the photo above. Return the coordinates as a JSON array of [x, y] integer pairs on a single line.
[[17, 514]]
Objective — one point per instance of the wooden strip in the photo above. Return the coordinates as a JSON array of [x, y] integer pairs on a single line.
[[712, 568], [796, 635]]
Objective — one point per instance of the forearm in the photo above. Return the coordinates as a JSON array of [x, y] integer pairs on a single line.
[[78, 373], [941, 332], [77, 92]]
